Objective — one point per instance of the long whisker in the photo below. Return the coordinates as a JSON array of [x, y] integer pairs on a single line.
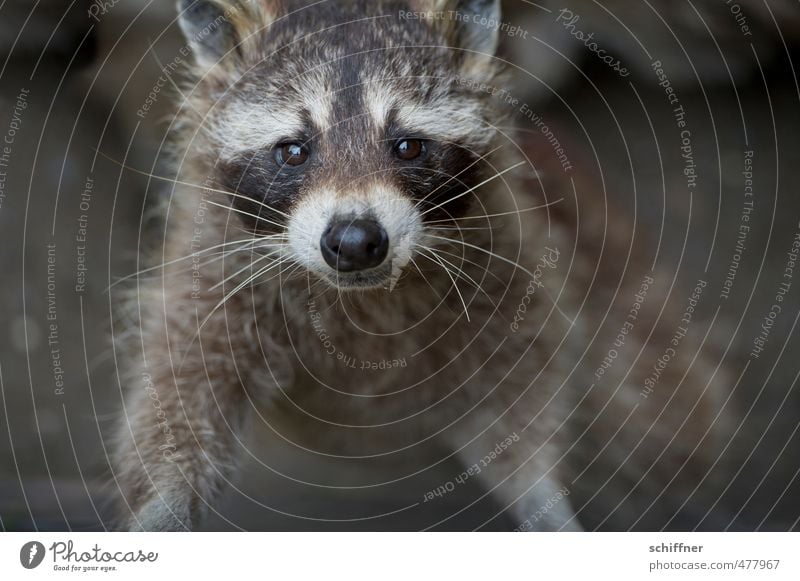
[[489, 252], [458, 270], [482, 267], [191, 185], [225, 299], [451, 178], [508, 261], [249, 266], [232, 208], [265, 243], [297, 266], [459, 228], [182, 258], [461, 273], [254, 233], [484, 216], [239, 287], [434, 258], [472, 189], [225, 254], [425, 278]]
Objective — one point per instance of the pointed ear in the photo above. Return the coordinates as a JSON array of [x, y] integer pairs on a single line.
[[221, 29], [469, 24]]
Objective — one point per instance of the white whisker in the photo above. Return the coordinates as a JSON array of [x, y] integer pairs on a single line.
[[191, 185], [434, 258], [512, 263], [451, 178], [472, 189], [249, 266], [460, 273], [182, 258], [414, 262], [482, 267], [232, 208], [484, 216]]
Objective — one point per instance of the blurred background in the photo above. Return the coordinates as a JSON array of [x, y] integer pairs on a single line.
[[76, 79]]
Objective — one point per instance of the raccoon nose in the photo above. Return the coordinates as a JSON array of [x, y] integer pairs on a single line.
[[350, 245]]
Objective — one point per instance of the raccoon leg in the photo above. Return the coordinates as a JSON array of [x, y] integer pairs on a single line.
[[176, 447], [540, 502], [515, 465]]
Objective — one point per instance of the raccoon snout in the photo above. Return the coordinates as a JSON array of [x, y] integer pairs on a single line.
[[350, 245]]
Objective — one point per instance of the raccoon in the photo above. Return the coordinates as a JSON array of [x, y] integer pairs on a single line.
[[348, 191]]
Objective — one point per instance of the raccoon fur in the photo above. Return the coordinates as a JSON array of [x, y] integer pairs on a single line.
[[348, 190]]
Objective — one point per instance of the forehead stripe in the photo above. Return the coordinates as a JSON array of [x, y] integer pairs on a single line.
[[247, 127]]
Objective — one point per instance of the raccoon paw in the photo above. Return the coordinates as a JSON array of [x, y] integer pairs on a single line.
[[162, 514]]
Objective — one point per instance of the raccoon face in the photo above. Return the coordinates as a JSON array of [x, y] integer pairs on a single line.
[[345, 127]]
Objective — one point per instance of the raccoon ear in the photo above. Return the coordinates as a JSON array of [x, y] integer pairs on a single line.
[[218, 29], [480, 33], [469, 24]]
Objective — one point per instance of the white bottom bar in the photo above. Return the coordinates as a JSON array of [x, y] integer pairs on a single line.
[[400, 556]]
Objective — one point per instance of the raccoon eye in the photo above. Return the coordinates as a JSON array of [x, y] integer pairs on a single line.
[[291, 154], [409, 149]]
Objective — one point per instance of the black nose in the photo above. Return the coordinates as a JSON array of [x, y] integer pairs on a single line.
[[349, 245]]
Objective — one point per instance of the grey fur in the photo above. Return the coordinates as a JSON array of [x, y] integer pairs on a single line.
[[263, 347]]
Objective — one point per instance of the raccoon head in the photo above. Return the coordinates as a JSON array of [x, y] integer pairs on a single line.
[[345, 129]]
